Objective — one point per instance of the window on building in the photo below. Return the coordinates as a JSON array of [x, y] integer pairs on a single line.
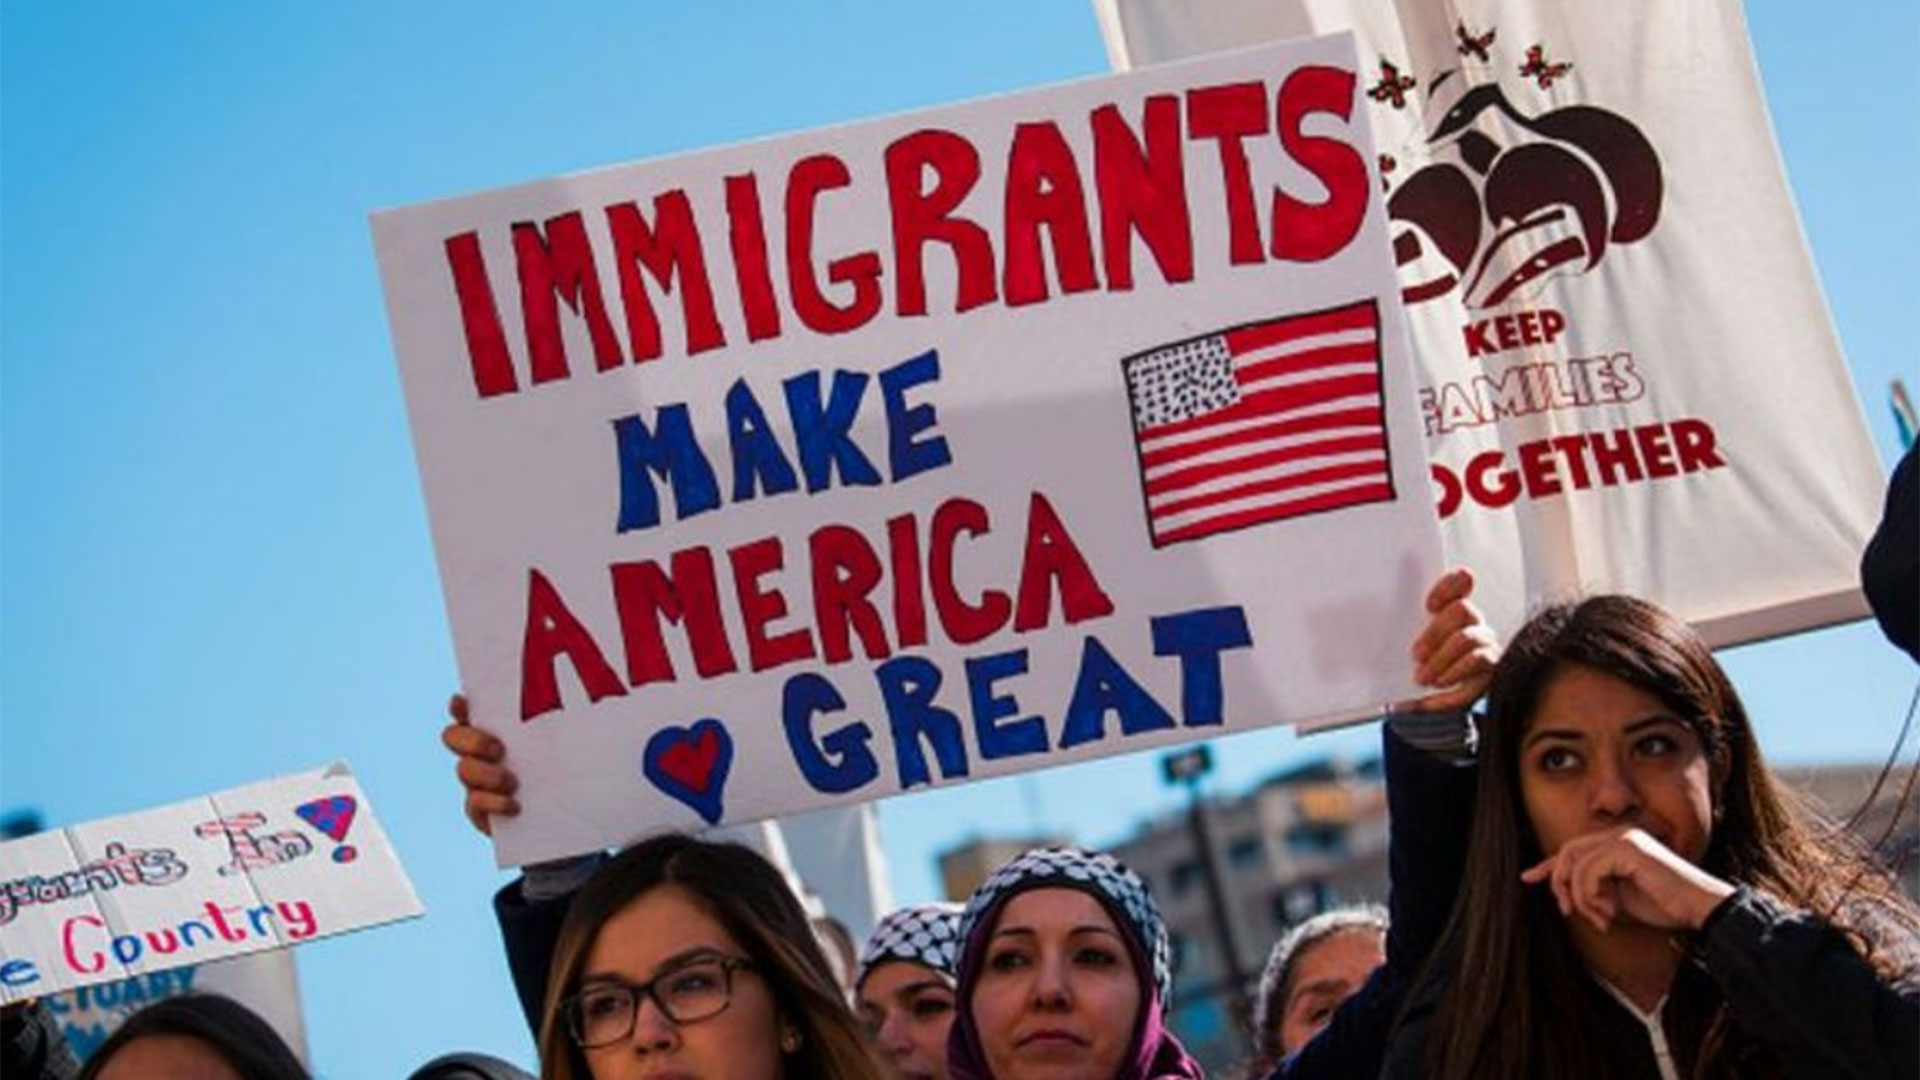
[[1307, 838], [1299, 902], [1245, 852], [1185, 877]]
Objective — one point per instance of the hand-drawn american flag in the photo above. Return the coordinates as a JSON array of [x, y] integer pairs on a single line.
[[1261, 422]]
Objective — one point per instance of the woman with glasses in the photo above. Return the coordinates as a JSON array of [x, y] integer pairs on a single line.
[[686, 958]]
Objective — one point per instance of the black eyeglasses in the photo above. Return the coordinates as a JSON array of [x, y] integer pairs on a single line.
[[605, 1012]]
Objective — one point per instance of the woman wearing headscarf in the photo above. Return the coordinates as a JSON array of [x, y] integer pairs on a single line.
[[903, 988], [1064, 972]]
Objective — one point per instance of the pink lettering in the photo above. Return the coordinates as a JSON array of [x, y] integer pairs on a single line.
[[73, 956]]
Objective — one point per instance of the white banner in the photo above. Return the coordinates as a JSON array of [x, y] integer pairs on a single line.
[[935, 448], [1629, 379], [264, 866]]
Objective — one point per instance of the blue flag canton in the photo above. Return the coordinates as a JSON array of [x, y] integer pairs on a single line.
[[1181, 381]]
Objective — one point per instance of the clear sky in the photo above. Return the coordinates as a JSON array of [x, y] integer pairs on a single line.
[[214, 558]]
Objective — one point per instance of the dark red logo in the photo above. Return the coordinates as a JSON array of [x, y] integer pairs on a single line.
[[1510, 199]]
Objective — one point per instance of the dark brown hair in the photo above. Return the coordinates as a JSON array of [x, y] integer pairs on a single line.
[[753, 902], [228, 1028], [1527, 1015]]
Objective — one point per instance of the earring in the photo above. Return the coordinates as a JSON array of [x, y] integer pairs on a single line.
[[790, 1040]]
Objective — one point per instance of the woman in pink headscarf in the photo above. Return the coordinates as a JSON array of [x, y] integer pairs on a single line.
[[1064, 973]]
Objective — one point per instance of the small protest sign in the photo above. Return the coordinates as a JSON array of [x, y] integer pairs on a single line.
[[264, 866], [934, 448]]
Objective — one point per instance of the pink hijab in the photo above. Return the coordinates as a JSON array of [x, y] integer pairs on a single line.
[[1154, 1053]]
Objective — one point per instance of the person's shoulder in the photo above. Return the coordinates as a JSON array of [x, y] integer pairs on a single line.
[[1890, 928], [1883, 926]]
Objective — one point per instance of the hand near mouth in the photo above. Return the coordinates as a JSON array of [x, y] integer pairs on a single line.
[[1626, 872]]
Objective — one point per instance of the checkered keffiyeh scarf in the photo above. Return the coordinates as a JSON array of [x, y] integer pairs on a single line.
[[924, 934], [1096, 872]]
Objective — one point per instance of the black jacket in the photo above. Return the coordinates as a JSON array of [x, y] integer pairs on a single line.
[[32, 1046], [1890, 567], [1792, 984], [531, 932]]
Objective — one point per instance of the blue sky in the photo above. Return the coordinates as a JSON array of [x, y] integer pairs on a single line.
[[214, 558]]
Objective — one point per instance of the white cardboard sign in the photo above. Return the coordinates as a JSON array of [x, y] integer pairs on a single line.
[[264, 866], [934, 448]]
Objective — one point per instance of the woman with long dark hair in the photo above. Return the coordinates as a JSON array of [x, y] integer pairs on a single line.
[[683, 957], [1641, 897]]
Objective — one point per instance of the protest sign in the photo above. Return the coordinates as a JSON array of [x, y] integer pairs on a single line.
[[1628, 376], [940, 447], [259, 867]]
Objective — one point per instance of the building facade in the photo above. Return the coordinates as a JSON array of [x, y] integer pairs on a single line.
[[1304, 840]]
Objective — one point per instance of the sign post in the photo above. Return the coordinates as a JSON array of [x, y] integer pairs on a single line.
[[1187, 768]]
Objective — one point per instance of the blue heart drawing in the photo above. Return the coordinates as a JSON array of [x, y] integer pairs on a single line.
[[691, 764]]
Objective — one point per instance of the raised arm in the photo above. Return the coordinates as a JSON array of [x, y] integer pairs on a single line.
[[1426, 750], [530, 908]]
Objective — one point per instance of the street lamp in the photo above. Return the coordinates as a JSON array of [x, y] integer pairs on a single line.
[[1187, 767]]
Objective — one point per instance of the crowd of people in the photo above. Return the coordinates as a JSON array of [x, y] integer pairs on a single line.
[[1597, 875]]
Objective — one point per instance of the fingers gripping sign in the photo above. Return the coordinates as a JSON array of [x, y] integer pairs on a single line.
[[1457, 650], [1626, 873], [479, 763]]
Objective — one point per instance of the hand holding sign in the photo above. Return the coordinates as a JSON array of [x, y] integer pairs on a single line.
[[689, 764], [477, 756], [1457, 651]]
